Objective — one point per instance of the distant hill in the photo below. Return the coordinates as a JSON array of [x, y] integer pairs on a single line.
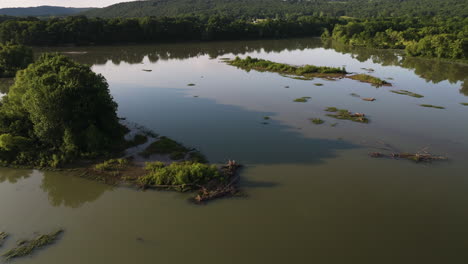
[[273, 8], [41, 11]]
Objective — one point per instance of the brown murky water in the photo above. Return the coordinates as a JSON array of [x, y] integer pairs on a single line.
[[312, 193]]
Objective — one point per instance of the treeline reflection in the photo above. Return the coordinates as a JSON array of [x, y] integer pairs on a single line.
[[431, 70]]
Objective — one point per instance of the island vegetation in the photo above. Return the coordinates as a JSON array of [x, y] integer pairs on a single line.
[[369, 79], [317, 121], [303, 99], [26, 247], [304, 72], [347, 115], [307, 71], [432, 106], [408, 93], [59, 113], [56, 112]]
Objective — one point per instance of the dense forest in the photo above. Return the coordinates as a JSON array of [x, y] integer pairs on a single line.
[[41, 11], [285, 8], [82, 30], [428, 37]]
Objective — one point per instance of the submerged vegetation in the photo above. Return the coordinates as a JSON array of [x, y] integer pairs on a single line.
[[416, 157], [303, 99], [408, 93], [432, 106], [369, 79], [465, 104], [26, 247], [317, 121], [165, 145], [306, 71], [346, 115], [138, 139], [3, 236]]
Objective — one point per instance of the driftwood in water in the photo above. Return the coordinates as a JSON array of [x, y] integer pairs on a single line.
[[417, 157], [207, 193]]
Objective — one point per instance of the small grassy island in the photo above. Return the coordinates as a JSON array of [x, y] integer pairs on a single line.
[[303, 99], [26, 247], [369, 79], [60, 114], [432, 106], [346, 115], [305, 72], [317, 121], [408, 93]]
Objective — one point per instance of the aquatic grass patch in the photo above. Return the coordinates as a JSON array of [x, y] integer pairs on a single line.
[[26, 247], [303, 99], [3, 236], [317, 121], [266, 118], [111, 165], [137, 140], [408, 93], [318, 84], [369, 79], [302, 78], [344, 114], [331, 109], [354, 95], [432, 106], [306, 71], [165, 145], [183, 174], [191, 84], [465, 104]]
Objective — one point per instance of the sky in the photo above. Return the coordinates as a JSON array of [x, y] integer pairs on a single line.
[[67, 3]]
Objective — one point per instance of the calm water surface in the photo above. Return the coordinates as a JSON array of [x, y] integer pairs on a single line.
[[312, 193]]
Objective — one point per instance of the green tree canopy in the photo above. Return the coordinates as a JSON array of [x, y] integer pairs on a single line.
[[14, 58], [63, 109]]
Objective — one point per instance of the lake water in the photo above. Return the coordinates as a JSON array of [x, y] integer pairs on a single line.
[[312, 193]]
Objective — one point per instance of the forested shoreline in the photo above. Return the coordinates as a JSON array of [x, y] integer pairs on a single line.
[[81, 30], [427, 37], [420, 36]]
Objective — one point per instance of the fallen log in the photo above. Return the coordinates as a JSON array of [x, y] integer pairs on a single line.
[[417, 157], [221, 190]]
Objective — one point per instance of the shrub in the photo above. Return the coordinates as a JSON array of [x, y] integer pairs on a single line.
[[179, 173]]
